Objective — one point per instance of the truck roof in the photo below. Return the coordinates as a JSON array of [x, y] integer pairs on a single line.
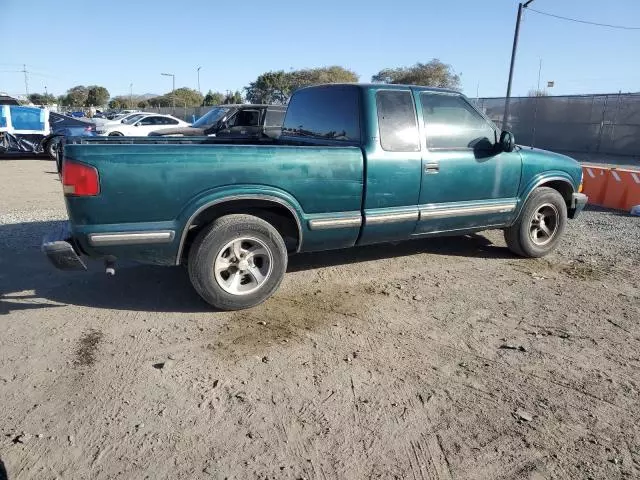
[[251, 105], [387, 86]]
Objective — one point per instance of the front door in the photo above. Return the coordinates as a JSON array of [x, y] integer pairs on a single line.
[[466, 182]]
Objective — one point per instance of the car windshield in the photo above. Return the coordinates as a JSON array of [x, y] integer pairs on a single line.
[[211, 117], [132, 118]]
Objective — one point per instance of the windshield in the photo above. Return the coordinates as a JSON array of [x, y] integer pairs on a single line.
[[211, 117], [132, 118]]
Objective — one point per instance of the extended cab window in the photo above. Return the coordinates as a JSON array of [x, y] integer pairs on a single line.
[[451, 123], [324, 113], [397, 121], [274, 118]]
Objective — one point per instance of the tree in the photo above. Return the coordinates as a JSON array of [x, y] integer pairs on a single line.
[[212, 98], [119, 102], [143, 104], [277, 87], [233, 98], [187, 96], [183, 97], [538, 93], [42, 99], [96, 96], [77, 96], [432, 74]]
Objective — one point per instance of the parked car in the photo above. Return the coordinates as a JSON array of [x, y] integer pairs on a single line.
[[22, 128], [64, 126], [356, 164], [140, 125], [233, 121]]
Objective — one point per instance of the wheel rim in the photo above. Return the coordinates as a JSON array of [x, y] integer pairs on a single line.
[[544, 224], [243, 265]]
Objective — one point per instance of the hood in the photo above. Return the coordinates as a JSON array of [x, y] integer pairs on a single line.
[[184, 131], [537, 159]]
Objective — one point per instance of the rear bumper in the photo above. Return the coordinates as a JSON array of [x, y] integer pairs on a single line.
[[59, 249], [578, 202]]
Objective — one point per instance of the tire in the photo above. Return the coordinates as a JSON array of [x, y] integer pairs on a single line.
[[116, 134], [51, 147], [230, 283], [531, 237]]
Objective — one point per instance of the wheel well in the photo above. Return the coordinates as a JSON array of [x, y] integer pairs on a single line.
[[564, 188], [283, 219]]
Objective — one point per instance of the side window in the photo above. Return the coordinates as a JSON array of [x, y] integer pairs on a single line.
[[151, 121], [330, 113], [397, 121], [451, 123], [274, 117], [170, 121]]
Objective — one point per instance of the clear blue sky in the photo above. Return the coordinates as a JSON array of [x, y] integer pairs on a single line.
[[117, 42]]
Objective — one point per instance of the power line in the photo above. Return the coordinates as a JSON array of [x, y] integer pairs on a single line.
[[620, 27]]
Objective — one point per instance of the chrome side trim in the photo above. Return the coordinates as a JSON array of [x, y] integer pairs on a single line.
[[231, 198], [130, 238], [391, 217], [329, 223], [464, 229], [439, 211]]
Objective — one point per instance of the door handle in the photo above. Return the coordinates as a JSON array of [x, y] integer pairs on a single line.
[[432, 167]]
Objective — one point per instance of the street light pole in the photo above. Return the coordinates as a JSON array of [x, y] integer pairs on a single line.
[[131, 95], [507, 101], [173, 89], [199, 80]]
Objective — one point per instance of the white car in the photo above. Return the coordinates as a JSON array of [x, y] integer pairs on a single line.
[[140, 125], [118, 119]]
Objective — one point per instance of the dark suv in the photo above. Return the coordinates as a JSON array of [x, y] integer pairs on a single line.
[[233, 121]]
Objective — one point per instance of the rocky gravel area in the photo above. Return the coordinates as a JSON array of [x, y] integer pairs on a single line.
[[443, 358]]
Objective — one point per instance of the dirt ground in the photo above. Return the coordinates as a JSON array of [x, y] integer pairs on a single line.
[[432, 359]]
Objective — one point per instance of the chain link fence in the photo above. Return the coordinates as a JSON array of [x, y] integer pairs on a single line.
[[606, 124]]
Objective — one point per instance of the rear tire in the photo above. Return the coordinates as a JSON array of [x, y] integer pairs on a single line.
[[116, 134], [237, 262], [540, 225]]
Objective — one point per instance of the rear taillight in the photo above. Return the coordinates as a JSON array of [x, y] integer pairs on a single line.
[[90, 128], [79, 180]]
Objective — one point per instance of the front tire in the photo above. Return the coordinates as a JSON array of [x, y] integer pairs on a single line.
[[237, 262], [540, 225], [116, 134], [52, 148]]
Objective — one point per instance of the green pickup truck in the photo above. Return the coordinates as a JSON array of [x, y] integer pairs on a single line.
[[354, 165]]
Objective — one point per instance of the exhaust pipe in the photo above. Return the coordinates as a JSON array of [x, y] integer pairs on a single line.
[[110, 266]]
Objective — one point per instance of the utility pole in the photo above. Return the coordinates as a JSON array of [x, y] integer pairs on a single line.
[[131, 95], [198, 70], [173, 89], [26, 79], [507, 100]]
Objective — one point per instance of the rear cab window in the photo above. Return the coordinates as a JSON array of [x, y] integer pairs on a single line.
[[324, 113], [397, 121]]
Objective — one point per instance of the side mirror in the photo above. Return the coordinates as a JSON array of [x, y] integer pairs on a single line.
[[507, 141]]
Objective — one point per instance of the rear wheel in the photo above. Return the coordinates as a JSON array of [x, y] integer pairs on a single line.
[[539, 228], [116, 134], [237, 262]]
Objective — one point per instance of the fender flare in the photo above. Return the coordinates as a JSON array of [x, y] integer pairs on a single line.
[[237, 192], [537, 181]]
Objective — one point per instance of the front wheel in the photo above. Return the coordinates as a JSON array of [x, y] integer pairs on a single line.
[[52, 147], [237, 262], [116, 134], [539, 228]]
